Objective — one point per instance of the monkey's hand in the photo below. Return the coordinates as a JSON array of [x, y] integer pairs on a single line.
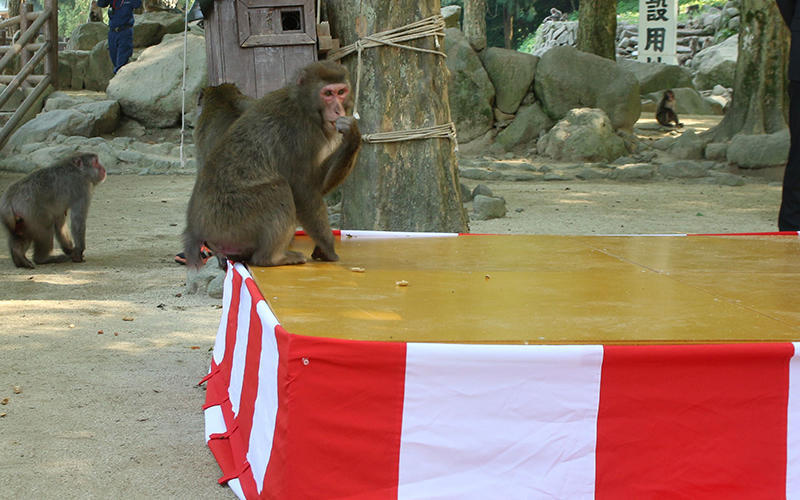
[[347, 125]]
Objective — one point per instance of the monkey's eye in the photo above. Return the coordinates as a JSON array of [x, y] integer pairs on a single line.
[[328, 93], [342, 91]]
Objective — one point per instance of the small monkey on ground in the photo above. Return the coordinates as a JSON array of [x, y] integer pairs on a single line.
[[665, 114], [271, 170], [35, 208], [95, 13]]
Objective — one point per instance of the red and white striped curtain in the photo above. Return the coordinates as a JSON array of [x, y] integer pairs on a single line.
[[290, 416]]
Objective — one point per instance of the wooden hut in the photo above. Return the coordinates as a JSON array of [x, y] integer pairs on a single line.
[[259, 44]]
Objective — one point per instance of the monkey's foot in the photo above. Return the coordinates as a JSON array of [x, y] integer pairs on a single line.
[[319, 254]]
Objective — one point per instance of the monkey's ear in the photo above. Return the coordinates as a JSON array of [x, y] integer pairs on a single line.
[[77, 161]]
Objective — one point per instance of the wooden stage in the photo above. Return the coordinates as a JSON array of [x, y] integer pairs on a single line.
[[544, 289]]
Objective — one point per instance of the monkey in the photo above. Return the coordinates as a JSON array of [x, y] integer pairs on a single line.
[[665, 114], [217, 108], [35, 208], [95, 13], [272, 168]]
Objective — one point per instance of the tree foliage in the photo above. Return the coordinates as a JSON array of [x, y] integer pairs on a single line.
[[72, 13]]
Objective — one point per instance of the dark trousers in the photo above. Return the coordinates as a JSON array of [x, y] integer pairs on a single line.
[[120, 46], [789, 215]]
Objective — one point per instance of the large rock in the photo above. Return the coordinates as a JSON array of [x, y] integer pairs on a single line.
[[526, 127], [716, 65], [511, 73], [757, 151], [656, 76], [471, 93], [585, 134], [149, 28], [688, 101], [73, 66], [60, 121], [86, 36], [567, 78], [160, 105], [452, 16], [99, 69]]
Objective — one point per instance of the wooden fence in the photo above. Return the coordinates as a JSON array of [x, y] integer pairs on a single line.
[[31, 53]]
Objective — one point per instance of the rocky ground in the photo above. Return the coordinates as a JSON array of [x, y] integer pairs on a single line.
[[99, 361]]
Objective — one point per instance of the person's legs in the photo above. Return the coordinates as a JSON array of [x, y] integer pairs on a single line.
[[789, 215], [124, 48], [113, 37]]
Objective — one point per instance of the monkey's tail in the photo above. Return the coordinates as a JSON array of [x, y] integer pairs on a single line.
[[191, 249]]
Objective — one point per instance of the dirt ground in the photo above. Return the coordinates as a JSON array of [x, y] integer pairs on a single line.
[[99, 361]]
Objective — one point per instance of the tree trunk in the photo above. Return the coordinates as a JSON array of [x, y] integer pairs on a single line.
[[508, 27], [760, 100], [475, 23], [597, 28], [399, 186]]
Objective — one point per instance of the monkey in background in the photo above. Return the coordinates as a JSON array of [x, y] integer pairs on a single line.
[[271, 170], [665, 114], [35, 208], [95, 13]]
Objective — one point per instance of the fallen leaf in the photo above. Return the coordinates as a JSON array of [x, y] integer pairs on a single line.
[[116, 334], [3, 414], [17, 389], [127, 318], [4, 401], [358, 269], [194, 347], [401, 283], [99, 332]]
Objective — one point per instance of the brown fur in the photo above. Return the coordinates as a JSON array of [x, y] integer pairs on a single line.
[[35, 208], [665, 114], [270, 171], [218, 107]]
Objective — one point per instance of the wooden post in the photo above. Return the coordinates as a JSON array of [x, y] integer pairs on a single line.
[[51, 37], [400, 186], [24, 55]]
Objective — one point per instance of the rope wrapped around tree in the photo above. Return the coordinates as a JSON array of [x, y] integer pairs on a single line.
[[432, 26]]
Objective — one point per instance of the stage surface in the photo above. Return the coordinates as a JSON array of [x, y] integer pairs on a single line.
[[515, 289]]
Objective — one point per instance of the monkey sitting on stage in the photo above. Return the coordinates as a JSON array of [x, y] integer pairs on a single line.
[[35, 208], [271, 170], [665, 114]]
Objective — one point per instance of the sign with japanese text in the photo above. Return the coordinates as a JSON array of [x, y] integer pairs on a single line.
[[658, 23]]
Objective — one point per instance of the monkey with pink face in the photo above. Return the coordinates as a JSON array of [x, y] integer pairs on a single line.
[[35, 208], [270, 170]]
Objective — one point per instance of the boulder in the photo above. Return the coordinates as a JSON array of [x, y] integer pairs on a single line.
[[656, 76], [470, 91], [60, 121], [103, 115], [488, 207], [149, 28], [452, 16], [585, 134], [567, 78], [14, 101], [99, 69], [86, 36], [757, 151], [716, 65], [511, 73], [73, 66], [688, 101], [529, 123], [688, 146], [160, 105]]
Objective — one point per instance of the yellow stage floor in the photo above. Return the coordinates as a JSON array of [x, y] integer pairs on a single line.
[[545, 289]]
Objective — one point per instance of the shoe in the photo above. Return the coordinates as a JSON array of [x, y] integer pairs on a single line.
[[205, 254]]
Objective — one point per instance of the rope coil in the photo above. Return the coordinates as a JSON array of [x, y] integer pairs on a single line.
[[432, 26]]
